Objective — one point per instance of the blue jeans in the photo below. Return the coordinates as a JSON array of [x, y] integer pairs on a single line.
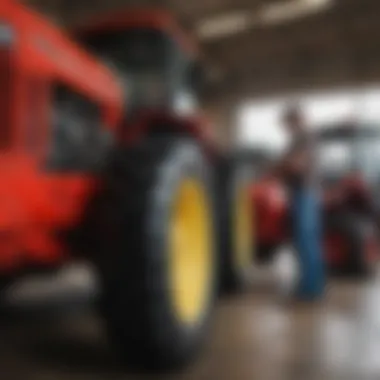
[[307, 239]]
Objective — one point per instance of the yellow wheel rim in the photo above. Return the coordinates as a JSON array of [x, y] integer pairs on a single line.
[[190, 250], [243, 224]]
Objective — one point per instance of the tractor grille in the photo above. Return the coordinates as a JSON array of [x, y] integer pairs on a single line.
[[5, 97]]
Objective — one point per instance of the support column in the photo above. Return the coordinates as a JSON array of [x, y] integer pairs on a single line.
[[223, 124]]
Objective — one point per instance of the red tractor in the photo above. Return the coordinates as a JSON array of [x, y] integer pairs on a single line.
[[350, 181], [107, 158]]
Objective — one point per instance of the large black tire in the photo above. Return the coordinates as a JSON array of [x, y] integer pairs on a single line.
[[235, 226], [356, 232], [135, 211]]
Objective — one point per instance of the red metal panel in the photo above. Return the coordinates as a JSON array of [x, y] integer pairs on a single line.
[[5, 96]]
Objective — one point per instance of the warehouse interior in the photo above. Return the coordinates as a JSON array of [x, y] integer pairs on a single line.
[[259, 56], [259, 49]]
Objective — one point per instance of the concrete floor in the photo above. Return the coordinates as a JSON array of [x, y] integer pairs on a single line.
[[254, 336]]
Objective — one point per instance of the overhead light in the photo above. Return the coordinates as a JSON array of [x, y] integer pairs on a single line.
[[290, 10], [237, 22], [224, 25]]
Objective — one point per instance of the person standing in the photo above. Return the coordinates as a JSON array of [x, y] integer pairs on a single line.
[[298, 169]]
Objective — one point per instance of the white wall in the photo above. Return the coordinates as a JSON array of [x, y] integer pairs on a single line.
[[259, 122]]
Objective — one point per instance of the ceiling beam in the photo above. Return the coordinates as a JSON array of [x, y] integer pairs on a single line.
[[305, 43], [356, 67], [199, 10], [301, 29]]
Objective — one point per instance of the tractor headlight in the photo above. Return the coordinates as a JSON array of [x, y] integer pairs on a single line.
[[7, 34]]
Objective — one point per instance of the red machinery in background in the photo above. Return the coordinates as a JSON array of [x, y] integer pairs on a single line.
[[348, 159]]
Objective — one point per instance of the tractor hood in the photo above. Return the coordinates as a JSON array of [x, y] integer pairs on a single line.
[[39, 49]]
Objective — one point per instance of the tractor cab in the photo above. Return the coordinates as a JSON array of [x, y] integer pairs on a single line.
[[347, 150], [348, 157], [151, 56]]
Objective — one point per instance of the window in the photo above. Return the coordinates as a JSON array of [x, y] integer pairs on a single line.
[[78, 140]]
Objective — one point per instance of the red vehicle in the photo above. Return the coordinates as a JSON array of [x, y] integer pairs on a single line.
[[108, 158], [350, 180]]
